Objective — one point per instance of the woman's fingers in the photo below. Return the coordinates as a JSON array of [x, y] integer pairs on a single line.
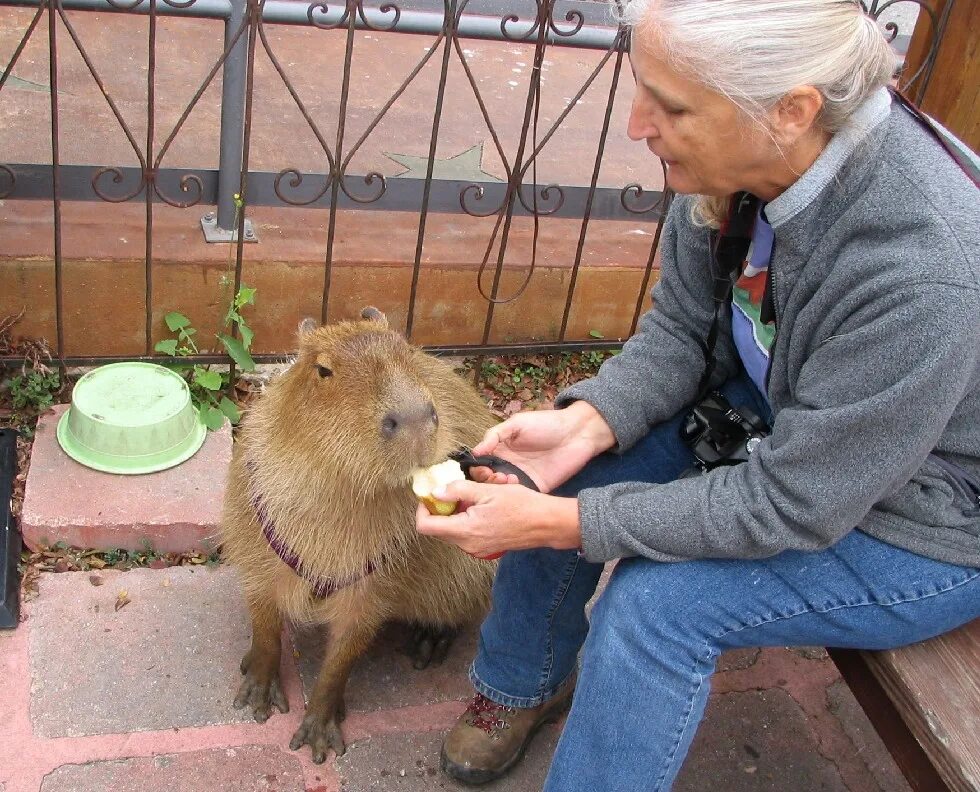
[[482, 474], [456, 528], [463, 491], [504, 434], [490, 441], [485, 475]]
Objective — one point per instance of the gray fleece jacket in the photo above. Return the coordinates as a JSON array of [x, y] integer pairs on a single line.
[[875, 371]]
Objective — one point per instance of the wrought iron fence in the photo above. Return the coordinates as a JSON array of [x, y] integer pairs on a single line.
[[235, 187]]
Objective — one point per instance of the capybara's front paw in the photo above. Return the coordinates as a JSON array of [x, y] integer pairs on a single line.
[[320, 732], [260, 691]]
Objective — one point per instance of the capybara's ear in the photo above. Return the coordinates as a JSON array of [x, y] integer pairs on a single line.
[[307, 326], [374, 315]]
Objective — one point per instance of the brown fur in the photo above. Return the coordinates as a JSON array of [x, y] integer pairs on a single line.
[[337, 491]]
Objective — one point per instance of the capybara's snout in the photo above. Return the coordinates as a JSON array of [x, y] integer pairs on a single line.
[[409, 431], [420, 419]]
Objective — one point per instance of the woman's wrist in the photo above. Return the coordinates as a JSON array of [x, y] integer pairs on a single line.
[[591, 426], [562, 526]]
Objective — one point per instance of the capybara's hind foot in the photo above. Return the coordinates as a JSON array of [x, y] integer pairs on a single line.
[[320, 732], [429, 644], [260, 691]]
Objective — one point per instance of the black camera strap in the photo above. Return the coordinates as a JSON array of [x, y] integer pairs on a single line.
[[966, 165], [729, 247]]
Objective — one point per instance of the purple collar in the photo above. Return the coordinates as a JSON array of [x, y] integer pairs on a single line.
[[322, 586]]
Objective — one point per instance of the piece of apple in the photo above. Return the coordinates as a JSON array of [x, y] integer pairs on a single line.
[[426, 480]]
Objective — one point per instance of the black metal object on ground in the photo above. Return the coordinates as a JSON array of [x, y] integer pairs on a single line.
[[9, 536]]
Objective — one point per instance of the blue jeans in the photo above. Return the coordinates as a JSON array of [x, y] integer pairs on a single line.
[[658, 628]]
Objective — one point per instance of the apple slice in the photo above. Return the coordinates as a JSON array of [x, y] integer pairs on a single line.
[[426, 480]]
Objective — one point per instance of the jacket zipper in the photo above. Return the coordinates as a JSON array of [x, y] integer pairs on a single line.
[[771, 288]]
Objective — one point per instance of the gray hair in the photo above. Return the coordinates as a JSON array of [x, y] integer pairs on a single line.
[[756, 51]]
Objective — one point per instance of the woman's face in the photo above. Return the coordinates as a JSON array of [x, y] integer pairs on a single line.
[[706, 142]]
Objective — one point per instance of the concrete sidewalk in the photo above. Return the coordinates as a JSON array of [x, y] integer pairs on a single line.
[[139, 698], [123, 681]]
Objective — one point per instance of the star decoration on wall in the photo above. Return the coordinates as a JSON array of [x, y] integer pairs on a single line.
[[462, 167]]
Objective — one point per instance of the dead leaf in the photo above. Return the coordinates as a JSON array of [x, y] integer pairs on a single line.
[[29, 584], [122, 599], [62, 566], [513, 406], [96, 580], [96, 562], [166, 582], [525, 395]]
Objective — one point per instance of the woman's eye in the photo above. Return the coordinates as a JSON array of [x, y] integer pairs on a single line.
[[323, 371]]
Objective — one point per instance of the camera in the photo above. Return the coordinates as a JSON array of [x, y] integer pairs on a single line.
[[719, 434]]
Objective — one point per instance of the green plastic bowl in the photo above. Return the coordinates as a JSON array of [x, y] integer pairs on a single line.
[[131, 418]]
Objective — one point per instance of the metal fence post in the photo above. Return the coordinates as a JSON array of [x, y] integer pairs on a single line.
[[223, 226]]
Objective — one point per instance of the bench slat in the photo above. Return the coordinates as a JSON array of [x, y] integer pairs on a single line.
[[935, 685]]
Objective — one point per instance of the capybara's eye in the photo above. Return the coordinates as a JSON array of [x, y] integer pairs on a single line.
[[323, 371]]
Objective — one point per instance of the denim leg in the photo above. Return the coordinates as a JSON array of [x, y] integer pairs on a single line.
[[658, 629], [530, 640]]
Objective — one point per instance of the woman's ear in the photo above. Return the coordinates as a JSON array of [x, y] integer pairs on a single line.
[[796, 114]]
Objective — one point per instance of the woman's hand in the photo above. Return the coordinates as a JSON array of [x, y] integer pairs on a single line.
[[551, 446], [503, 517]]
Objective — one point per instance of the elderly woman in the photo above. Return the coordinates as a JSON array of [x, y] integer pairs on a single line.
[[856, 521]]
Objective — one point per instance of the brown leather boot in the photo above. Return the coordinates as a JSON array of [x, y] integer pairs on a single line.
[[489, 738]]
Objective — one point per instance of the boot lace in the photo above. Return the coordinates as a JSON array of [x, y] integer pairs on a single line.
[[482, 713]]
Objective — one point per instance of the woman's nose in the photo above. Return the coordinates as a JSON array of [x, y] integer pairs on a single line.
[[640, 125]]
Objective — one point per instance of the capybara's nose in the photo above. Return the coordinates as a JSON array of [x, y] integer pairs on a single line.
[[421, 417]]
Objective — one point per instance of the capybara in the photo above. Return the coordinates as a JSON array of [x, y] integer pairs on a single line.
[[319, 515]]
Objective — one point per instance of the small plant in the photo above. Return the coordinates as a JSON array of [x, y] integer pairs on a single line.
[[592, 359], [207, 386], [31, 393], [34, 390], [113, 556], [530, 371], [147, 554], [35, 387], [489, 368]]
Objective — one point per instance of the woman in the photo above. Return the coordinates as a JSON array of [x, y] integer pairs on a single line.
[[856, 521]]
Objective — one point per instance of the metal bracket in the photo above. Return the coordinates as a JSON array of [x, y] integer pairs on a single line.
[[10, 542], [214, 233]]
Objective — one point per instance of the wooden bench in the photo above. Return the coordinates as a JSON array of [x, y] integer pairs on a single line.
[[924, 701]]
